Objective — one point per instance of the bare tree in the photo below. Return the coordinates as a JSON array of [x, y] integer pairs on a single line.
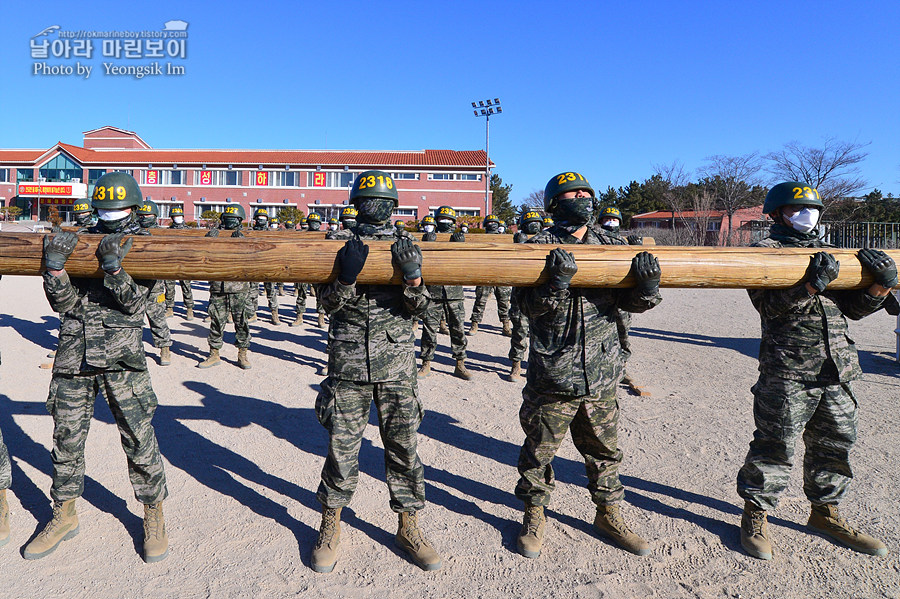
[[533, 201], [732, 179], [832, 169], [672, 179]]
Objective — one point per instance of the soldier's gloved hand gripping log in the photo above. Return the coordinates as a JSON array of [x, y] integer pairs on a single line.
[[351, 258], [58, 249], [408, 257], [882, 267], [646, 272], [112, 251], [561, 266], [822, 270]]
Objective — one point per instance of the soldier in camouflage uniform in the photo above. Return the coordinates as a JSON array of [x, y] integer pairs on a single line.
[[529, 226], [482, 293], [148, 212], [261, 223], [806, 364], [100, 349], [228, 297], [5, 483], [313, 223], [371, 357], [177, 214], [446, 303], [574, 368]]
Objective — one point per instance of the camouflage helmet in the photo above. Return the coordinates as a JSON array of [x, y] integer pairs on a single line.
[[176, 211], [148, 208], [373, 184], [611, 211], [561, 183], [428, 220], [490, 218], [82, 206], [332, 221], [115, 191], [313, 217], [548, 222], [399, 224], [530, 216], [274, 220], [289, 224], [234, 210], [791, 192], [349, 213], [446, 212]]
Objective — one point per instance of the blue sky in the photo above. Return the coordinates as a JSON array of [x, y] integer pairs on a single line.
[[605, 88]]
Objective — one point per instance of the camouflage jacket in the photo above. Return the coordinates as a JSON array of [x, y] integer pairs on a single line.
[[574, 340], [227, 287], [370, 334], [101, 319], [805, 338], [443, 293]]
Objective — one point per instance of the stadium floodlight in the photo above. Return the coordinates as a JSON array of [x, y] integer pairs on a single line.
[[492, 107]]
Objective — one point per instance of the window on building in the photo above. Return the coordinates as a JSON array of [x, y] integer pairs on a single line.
[[124, 170], [218, 178], [4, 175], [468, 177], [284, 179], [440, 176], [330, 179], [24, 174], [405, 175], [94, 174], [176, 177], [163, 177], [468, 212], [404, 212], [61, 169], [713, 225]]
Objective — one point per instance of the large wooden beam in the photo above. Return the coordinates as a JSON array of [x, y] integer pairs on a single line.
[[312, 261]]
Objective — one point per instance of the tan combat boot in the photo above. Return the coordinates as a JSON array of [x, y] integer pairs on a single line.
[[156, 541], [755, 532], [415, 327], [297, 321], [321, 321], [62, 527], [825, 519], [170, 312], [4, 519], [411, 539], [165, 356], [531, 536], [461, 371], [276, 320], [252, 318], [515, 373], [189, 314], [212, 360], [243, 360], [325, 553], [425, 370], [609, 523], [507, 328], [229, 319], [473, 329], [442, 328]]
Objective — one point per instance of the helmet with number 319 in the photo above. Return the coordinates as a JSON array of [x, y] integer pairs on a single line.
[[374, 184], [115, 191], [560, 184], [791, 192]]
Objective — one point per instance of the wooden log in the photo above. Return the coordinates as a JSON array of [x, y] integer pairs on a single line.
[[313, 261]]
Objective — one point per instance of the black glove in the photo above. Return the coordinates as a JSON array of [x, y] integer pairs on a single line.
[[561, 266], [112, 251], [430, 236], [458, 236], [880, 265], [58, 249], [822, 270], [237, 233], [351, 258], [408, 257], [635, 240], [646, 273], [212, 233]]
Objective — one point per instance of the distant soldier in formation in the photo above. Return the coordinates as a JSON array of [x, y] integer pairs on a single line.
[[429, 225], [228, 297], [177, 214], [83, 212], [501, 227], [548, 222], [314, 222], [529, 226], [333, 224], [806, 365], [261, 223], [100, 349], [399, 226], [574, 367], [371, 357], [348, 217], [482, 293], [148, 213], [446, 305]]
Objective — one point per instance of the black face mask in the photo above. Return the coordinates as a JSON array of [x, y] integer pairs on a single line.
[[114, 226], [83, 219], [491, 227], [349, 223], [314, 225], [147, 220], [444, 225], [574, 212], [532, 228], [375, 211], [231, 223]]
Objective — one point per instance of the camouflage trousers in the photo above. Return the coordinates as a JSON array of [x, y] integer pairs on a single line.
[[5, 466], [481, 297], [220, 304], [518, 342], [301, 299], [454, 313], [156, 316], [187, 294], [623, 323], [826, 415], [593, 422], [132, 402], [253, 299], [271, 296], [342, 407]]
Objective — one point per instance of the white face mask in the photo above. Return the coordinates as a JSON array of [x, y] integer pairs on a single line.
[[429, 228], [178, 219], [112, 214], [333, 227], [464, 229], [805, 220], [501, 229], [610, 222]]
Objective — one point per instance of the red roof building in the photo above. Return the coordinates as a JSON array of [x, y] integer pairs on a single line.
[[745, 224], [210, 179]]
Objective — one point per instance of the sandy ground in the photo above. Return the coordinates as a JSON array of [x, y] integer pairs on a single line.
[[243, 452]]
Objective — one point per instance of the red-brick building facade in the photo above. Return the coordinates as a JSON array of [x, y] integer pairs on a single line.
[[210, 179]]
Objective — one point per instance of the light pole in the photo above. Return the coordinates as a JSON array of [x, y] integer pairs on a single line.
[[486, 108]]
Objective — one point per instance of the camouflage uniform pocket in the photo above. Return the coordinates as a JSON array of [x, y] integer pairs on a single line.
[[325, 403], [52, 397]]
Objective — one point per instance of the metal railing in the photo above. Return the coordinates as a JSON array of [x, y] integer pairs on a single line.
[[862, 235]]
